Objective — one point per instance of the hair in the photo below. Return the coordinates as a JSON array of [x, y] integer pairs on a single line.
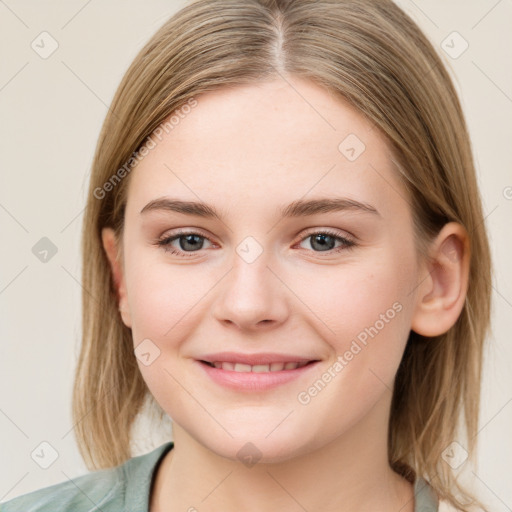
[[371, 54]]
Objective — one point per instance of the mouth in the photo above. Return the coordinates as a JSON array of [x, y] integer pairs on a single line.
[[257, 368], [254, 372]]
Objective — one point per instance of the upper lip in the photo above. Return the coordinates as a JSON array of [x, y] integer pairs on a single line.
[[254, 359]]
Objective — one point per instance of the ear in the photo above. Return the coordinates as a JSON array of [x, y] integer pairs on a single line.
[[441, 295], [111, 246]]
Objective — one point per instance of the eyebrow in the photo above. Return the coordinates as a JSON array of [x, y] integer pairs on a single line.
[[299, 208]]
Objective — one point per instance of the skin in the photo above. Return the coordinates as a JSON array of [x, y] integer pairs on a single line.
[[248, 151]]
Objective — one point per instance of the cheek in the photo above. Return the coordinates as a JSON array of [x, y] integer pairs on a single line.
[[349, 299], [367, 309], [162, 298]]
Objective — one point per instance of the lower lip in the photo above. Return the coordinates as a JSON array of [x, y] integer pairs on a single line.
[[254, 381]]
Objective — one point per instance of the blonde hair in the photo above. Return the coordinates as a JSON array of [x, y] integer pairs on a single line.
[[374, 56]]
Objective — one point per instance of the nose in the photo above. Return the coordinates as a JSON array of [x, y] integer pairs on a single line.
[[252, 297]]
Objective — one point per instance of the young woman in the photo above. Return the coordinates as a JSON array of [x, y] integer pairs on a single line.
[[284, 248]]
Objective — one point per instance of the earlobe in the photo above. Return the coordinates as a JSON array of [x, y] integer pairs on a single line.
[[441, 295], [111, 247]]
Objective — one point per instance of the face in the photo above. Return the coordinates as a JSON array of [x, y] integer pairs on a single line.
[[281, 319]]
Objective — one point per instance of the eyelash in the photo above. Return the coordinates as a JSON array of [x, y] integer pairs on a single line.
[[165, 242]]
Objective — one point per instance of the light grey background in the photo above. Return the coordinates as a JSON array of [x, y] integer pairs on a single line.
[[51, 113]]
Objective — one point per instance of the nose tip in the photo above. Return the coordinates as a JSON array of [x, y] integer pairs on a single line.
[[251, 297]]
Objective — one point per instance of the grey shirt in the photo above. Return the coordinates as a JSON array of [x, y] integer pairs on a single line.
[[126, 488]]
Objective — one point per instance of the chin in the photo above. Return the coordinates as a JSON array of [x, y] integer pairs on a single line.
[[250, 452], [253, 445]]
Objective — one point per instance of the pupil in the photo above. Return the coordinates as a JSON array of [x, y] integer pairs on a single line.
[[325, 242], [189, 239]]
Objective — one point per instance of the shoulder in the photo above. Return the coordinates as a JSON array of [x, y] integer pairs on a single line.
[[87, 492], [108, 490]]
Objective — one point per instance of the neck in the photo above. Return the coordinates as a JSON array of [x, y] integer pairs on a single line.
[[349, 473]]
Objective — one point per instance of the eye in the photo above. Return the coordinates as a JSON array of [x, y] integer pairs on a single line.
[[325, 241], [184, 243]]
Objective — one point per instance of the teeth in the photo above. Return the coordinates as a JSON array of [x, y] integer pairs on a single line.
[[258, 368], [239, 367]]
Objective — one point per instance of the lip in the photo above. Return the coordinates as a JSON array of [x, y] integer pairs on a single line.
[[253, 359], [254, 381]]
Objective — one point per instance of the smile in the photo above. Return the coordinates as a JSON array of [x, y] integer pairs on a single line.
[[257, 368], [254, 372]]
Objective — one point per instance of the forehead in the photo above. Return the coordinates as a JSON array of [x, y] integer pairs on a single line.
[[270, 142]]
